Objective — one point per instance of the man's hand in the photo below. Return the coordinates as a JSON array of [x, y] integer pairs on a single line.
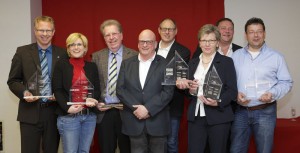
[[241, 99], [91, 102], [27, 94], [141, 112], [101, 107], [266, 97], [183, 83], [52, 98]]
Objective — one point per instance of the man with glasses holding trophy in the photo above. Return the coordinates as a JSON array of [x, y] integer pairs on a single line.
[[30, 80]]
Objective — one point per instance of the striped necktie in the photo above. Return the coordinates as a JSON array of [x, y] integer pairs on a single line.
[[112, 76], [45, 80]]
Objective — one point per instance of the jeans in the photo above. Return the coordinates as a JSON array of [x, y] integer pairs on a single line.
[[77, 132], [260, 122], [173, 136]]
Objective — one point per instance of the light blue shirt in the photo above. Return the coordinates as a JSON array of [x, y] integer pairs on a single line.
[[266, 72], [113, 99]]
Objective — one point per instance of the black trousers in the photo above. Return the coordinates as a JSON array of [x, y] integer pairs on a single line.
[[110, 135], [45, 132], [200, 133]]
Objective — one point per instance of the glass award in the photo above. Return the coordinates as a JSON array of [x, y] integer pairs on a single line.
[[256, 89], [36, 84], [80, 91], [111, 105], [175, 69], [212, 85]]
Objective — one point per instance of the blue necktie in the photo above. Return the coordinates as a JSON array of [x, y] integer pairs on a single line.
[[46, 84]]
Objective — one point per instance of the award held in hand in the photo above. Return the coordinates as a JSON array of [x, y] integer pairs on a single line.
[[256, 89], [39, 86], [80, 91], [175, 69], [212, 85]]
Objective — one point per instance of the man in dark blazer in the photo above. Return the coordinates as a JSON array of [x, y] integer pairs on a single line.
[[167, 46], [145, 117], [226, 28], [37, 118], [109, 119]]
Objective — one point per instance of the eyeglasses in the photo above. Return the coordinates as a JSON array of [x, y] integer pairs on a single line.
[[260, 32], [78, 45], [211, 42], [111, 35], [148, 42], [167, 29], [42, 31]]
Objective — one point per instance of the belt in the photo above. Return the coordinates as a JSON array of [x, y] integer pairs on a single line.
[[262, 106], [84, 111], [46, 104]]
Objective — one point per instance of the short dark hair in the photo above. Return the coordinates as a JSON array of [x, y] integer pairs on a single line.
[[254, 20], [224, 19]]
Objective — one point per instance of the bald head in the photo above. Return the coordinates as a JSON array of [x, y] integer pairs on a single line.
[[147, 34], [147, 44]]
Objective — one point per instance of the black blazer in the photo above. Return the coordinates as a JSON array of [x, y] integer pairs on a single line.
[[223, 112], [198, 50], [24, 64], [177, 103], [62, 82], [153, 96]]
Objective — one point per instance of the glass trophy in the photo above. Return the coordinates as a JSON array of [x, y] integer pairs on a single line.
[[175, 69], [80, 91], [256, 89], [212, 85], [36, 84]]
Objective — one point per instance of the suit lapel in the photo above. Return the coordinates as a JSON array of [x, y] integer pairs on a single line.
[[171, 53], [152, 68], [104, 61], [55, 58], [35, 55]]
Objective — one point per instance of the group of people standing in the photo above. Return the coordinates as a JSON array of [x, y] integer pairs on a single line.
[[120, 92]]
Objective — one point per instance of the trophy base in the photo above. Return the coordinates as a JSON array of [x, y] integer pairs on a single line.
[[168, 83], [37, 97], [76, 103]]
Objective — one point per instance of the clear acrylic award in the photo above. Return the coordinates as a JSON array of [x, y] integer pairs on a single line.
[[37, 84], [256, 89], [80, 91], [175, 69], [212, 85]]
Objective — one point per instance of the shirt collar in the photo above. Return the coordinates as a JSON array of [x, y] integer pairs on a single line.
[[49, 49], [150, 59], [167, 48], [119, 51]]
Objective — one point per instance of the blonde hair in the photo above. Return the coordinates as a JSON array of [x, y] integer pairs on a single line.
[[109, 23], [73, 37], [44, 19]]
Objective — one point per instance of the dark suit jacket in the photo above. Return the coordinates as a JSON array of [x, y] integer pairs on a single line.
[[101, 60], [223, 112], [24, 64], [153, 96], [62, 82], [198, 50], [177, 103]]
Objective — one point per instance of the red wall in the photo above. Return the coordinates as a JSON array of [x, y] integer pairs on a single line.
[[85, 16]]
